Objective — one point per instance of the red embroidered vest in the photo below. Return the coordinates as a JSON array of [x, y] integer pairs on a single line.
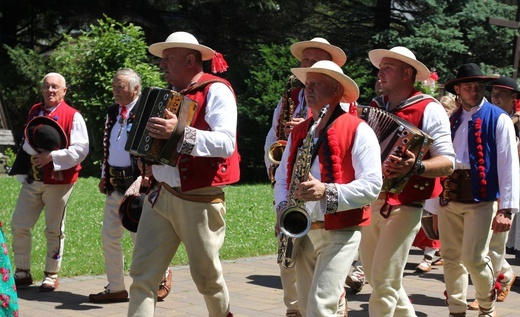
[[335, 159], [198, 172], [418, 188], [64, 115]]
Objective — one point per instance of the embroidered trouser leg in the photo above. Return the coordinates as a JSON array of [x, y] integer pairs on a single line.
[[497, 255], [31, 201], [384, 249], [111, 234], [322, 267], [465, 233], [201, 227]]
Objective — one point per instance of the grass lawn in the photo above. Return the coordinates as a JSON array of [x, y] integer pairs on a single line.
[[250, 220]]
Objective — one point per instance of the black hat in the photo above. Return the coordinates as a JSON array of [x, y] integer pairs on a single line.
[[504, 82], [467, 73], [45, 133], [130, 211]]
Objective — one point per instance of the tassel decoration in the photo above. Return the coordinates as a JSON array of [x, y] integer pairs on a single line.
[[218, 63]]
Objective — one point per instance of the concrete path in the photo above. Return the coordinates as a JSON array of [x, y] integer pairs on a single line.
[[255, 289]]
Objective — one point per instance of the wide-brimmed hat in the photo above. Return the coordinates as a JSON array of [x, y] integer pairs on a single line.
[[505, 83], [329, 68], [186, 40], [338, 55], [467, 73], [182, 40], [404, 55], [130, 211], [45, 133]]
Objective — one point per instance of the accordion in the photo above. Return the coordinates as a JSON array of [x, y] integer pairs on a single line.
[[395, 136], [152, 103]]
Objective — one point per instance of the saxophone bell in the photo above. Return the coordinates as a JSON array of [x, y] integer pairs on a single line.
[[276, 151], [295, 222]]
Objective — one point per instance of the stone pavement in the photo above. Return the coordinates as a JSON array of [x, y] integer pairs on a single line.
[[255, 289]]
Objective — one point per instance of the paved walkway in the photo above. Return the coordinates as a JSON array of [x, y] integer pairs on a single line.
[[255, 291]]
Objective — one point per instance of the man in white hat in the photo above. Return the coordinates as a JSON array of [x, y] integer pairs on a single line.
[[187, 203], [328, 169], [386, 242], [291, 110]]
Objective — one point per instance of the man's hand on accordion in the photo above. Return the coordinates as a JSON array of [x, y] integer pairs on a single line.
[[162, 128], [397, 166]]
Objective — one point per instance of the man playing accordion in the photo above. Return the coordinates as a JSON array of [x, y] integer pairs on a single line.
[[187, 203], [396, 217]]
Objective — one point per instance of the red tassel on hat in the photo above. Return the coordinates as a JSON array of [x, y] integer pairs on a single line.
[[218, 63]]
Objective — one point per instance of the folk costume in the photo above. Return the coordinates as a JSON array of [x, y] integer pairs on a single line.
[[344, 162], [48, 188], [119, 170], [188, 204], [386, 242], [480, 136]]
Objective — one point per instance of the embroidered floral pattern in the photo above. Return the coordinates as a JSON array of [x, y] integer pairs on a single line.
[[480, 158], [331, 195], [8, 295], [190, 136]]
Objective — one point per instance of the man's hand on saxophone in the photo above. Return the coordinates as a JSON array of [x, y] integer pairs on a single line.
[[291, 124], [311, 190]]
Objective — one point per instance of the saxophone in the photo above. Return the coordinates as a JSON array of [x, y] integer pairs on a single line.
[[295, 221], [287, 109]]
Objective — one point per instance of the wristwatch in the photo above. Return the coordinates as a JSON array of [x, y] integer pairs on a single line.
[[420, 168]]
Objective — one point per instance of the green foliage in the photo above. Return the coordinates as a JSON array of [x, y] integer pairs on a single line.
[[250, 227], [88, 62], [265, 87]]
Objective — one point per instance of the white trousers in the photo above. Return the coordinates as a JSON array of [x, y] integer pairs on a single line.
[[31, 202], [322, 265], [171, 220], [384, 249], [111, 234], [465, 233]]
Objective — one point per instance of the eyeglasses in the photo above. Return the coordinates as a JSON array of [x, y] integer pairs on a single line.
[[51, 87]]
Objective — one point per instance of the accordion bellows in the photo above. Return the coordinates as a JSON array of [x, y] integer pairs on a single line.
[[395, 136], [152, 103]]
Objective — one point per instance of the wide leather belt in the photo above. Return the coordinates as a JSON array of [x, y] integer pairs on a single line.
[[317, 225], [208, 199], [120, 178], [457, 187], [120, 172]]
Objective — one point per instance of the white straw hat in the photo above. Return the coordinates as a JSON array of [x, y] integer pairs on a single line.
[[350, 88], [338, 56], [182, 40], [404, 55]]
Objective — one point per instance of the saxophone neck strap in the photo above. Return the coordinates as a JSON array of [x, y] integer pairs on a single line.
[[338, 111]]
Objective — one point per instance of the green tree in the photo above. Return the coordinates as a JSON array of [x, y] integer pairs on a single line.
[[88, 63]]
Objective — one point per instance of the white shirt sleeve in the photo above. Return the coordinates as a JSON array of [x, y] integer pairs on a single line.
[[436, 123], [508, 167], [221, 116], [78, 147]]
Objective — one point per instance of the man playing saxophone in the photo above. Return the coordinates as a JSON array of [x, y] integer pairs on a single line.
[[332, 170], [291, 110]]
